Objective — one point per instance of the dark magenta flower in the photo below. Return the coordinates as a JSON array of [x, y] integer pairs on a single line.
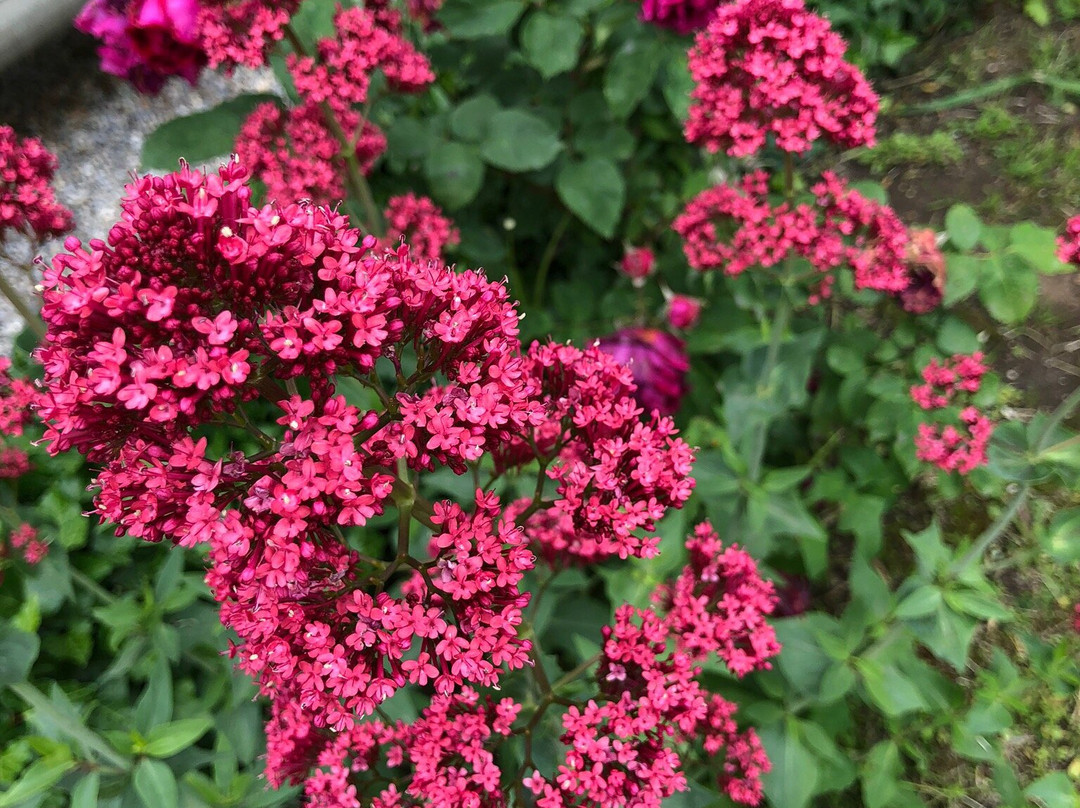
[[682, 16], [658, 361], [145, 41]]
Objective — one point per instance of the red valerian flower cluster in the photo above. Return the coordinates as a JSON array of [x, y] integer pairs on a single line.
[[202, 310], [300, 152], [25, 540], [1069, 244], [27, 202], [242, 32], [622, 747], [682, 16], [949, 385], [146, 41], [773, 67], [734, 228]]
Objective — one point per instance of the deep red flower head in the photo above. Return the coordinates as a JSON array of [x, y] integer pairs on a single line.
[[638, 263], [682, 16], [658, 362], [683, 311], [773, 67]]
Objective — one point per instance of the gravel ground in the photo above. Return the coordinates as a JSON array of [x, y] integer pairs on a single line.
[[95, 125]]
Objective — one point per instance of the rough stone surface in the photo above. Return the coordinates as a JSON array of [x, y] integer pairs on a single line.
[[95, 125]]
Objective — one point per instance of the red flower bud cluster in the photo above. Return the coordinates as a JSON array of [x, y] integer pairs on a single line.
[[960, 446], [24, 539], [773, 67], [421, 223], [200, 308], [926, 271], [27, 203], [638, 263], [735, 228]]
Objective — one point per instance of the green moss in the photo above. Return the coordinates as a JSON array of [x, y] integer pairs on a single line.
[[908, 149]]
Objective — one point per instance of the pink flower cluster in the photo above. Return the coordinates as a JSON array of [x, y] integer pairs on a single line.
[[772, 66], [146, 41], [198, 305], [734, 228], [242, 32], [625, 748], [300, 152], [1069, 244], [949, 385], [658, 363], [24, 539], [616, 475], [17, 397], [682, 16], [27, 203], [637, 264], [421, 223]]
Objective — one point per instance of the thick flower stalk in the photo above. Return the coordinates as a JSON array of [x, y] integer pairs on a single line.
[[772, 67], [203, 313], [948, 387]]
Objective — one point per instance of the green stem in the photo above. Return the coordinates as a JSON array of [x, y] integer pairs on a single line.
[[77, 731], [549, 255], [1063, 411], [92, 586], [992, 533], [32, 318], [779, 326]]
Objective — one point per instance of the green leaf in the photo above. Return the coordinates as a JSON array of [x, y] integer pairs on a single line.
[[1038, 11], [962, 276], [1037, 246], [921, 602], [38, 776], [1061, 539], [1008, 288], [155, 705], [167, 739], [518, 140], [85, 793], [1054, 790], [955, 336], [551, 43], [202, 136], [677, 85], [977, 604], [963, 226], [889, 689], [479, 19], [470, 119], [630, 74], [802, 662], [594, 190], [455, 174], [881, 774], [836, 683], [156, 785], [18, 650], [948, 635], [931, 555], [794, 775]]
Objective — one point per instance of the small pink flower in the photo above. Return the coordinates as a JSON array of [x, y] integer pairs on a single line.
[[1069, 244], [683, 312], [638, 263]]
